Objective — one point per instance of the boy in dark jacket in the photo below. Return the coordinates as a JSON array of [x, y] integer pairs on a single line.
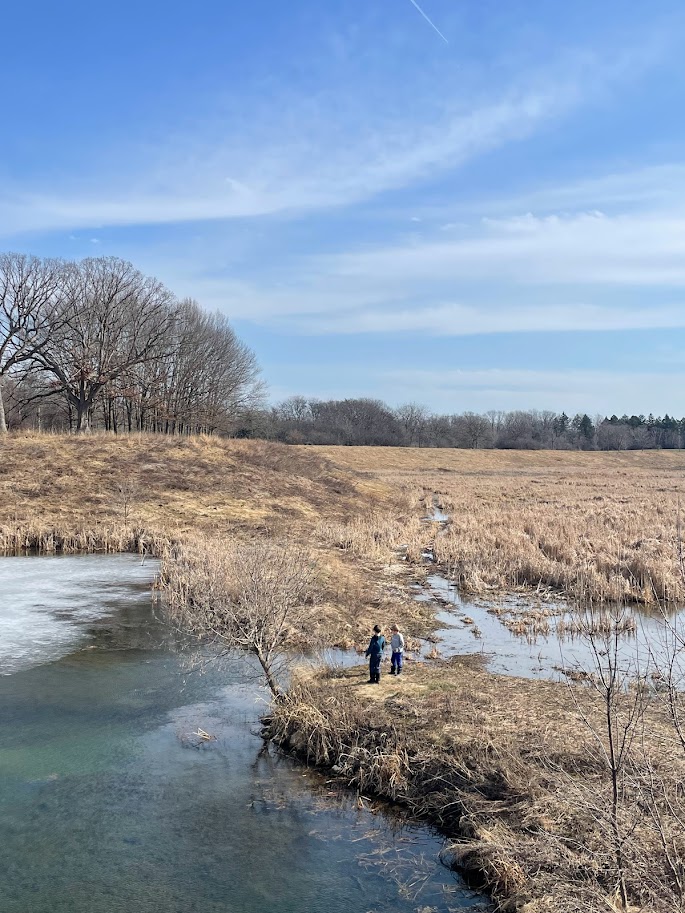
[[375, 654]]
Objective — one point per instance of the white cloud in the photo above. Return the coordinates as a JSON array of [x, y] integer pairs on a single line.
[[657, 186], [587, 248], [469, 320], [513, 273], [304, 154], [524, 274]]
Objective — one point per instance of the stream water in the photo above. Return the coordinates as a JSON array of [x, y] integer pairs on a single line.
[[111, 803], [473, 627]]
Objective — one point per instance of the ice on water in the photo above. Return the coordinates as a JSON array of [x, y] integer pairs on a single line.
[[47, 603]]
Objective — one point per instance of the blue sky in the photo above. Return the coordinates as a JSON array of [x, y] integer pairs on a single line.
[[488, 214]]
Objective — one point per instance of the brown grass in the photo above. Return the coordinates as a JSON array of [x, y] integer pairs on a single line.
[[148, 492], [505, 766], [171, 485], [591, 526]]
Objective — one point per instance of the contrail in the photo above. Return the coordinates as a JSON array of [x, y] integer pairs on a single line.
[[429, 21]]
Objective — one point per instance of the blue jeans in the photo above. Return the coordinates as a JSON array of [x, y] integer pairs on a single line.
[[396, 662]]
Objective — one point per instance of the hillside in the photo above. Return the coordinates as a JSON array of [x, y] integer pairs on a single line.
[[143, 493], [172, 485]]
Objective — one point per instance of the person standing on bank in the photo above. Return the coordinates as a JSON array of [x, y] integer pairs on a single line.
[[397, 647], [375, 654]]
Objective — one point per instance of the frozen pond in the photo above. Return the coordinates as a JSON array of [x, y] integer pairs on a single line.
[[48, 605]]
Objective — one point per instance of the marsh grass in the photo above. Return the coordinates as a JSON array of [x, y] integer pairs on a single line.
[[49, 540], [505, 766], [594, 527], [383, 536]]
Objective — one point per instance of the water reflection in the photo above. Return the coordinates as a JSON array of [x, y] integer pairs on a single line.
[[108, 806], [476, 627]]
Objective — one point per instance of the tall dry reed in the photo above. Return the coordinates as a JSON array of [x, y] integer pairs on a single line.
[[593, 526], [509, 769]]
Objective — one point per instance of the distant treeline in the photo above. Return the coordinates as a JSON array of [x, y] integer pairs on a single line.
[[366, 422], [96, 344]]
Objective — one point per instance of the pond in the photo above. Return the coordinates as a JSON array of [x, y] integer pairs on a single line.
[[112, 803]]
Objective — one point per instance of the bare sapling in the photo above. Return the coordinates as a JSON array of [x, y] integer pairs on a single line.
[[615, 721], [663, 797], [257, 597], [127, 493]]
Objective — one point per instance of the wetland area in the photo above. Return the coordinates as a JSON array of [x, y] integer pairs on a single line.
[[111, 802], [134, 779]]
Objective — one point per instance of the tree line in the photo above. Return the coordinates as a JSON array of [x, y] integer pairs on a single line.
[[97, 344], [366, 422]]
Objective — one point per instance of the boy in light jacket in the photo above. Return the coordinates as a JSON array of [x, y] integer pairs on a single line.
[[397, 645]]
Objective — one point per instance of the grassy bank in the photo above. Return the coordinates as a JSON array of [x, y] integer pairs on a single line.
[[507, 768], [592, 526], [172, 486], [153, 494]]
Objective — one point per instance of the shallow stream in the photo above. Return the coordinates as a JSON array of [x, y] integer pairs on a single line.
[[475, 627], [112, 803]]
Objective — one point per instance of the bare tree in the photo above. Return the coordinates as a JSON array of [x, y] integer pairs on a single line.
[[472, 430], [211, 376], [619, 684], [662, 793], [109, 318], [295, 409], [413, 417], [256, 597], [27, 289], [613, 436], [517, 432], [360, 422]]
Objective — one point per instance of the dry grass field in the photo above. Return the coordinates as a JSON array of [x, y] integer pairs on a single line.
[[593, 526]]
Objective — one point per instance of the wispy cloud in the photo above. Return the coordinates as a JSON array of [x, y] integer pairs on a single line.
[[486, 319], [564, 272], [513, 274], [294, 155], [588, 248], [658, 187]]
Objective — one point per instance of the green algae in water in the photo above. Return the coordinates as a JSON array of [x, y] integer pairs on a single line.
[[107, 806]]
